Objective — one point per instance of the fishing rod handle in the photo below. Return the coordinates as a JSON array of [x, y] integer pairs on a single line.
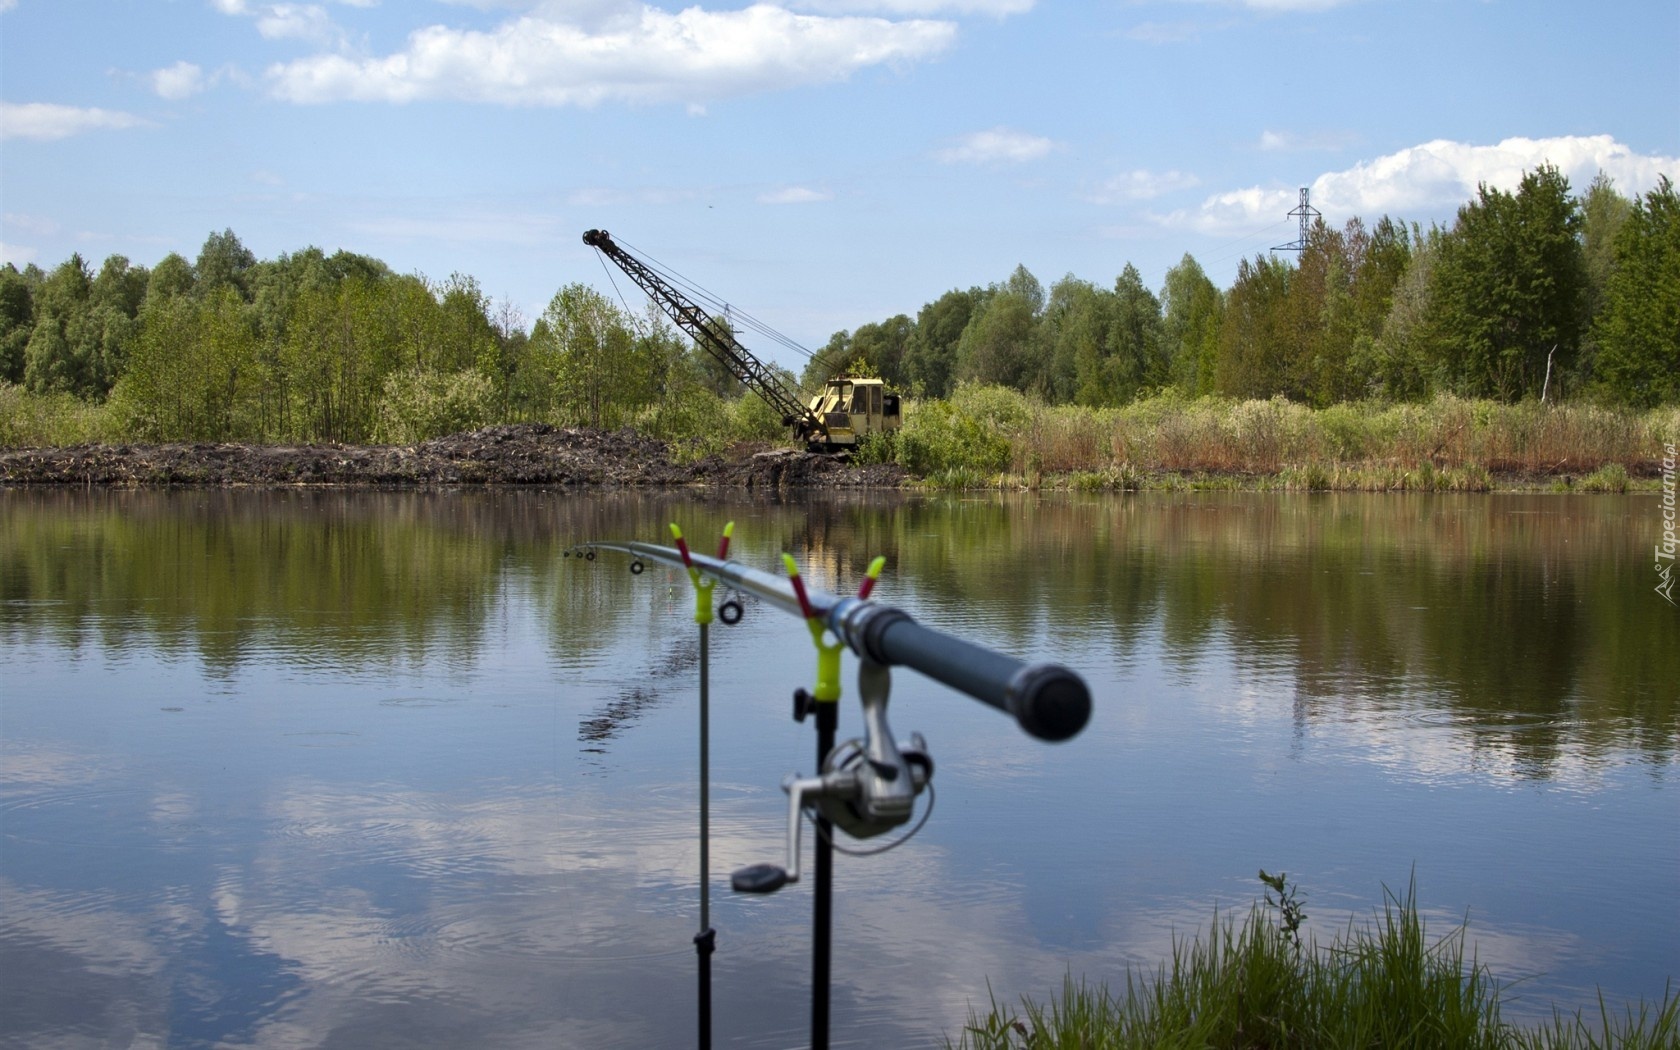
[[1049, 701]]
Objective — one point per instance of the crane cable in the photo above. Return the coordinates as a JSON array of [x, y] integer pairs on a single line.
[[720, 305]]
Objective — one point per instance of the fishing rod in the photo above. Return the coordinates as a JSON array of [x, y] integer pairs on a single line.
[[865, 787], [1049, 701]]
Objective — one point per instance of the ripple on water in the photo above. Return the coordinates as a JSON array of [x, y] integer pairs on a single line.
[[1483, 719], [324, 738], [422, 701]]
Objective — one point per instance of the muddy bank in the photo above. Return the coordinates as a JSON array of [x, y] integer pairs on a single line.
[[519, 454]]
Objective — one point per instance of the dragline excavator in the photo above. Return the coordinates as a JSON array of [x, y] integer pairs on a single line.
[[843, 413]]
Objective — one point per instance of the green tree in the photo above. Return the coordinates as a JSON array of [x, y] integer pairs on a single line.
[[1638, 332], [224, 262], [115, 300], [1076, 326], [193, 375], [1192, 310], [713, 373], [882, 347], [17, 322], [1510, 289], [1000, 344], [63, 349], [1323, 315], [170, 277], [601, 376], [340, 344], [1401, 363], [930, 354], [831, 360], [1136, 342], [1603, 213], [1257, 339]]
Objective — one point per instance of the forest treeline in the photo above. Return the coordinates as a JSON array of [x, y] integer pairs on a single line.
[[1535, 293], [1523, 286]]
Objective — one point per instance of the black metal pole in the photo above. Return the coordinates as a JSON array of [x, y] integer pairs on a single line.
[[828, 718], [706, 940]]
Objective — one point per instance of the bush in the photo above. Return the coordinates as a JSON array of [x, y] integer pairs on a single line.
[[51, 420], [941, 436], [420, 405]]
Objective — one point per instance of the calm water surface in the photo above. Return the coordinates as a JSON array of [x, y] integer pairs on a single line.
[[360, 770]]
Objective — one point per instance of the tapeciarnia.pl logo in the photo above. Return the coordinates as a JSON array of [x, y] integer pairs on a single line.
[[1665, 550]]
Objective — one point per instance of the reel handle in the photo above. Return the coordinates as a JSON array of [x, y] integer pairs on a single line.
[[1049, 701]]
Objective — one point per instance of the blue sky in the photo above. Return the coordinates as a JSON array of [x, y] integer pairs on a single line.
[[821, 163]]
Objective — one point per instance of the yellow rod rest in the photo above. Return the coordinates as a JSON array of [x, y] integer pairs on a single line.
[[828, 652]]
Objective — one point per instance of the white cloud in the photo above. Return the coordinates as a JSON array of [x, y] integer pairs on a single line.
[[16, 254], [795, 195], [650, 57], [900, 8], [7, 5], [309, 22], [1279, 5], [181, 80], [1297, 142], [1141, 185], [999, 145], [1431, 180], [1447, 173], [46, 121]]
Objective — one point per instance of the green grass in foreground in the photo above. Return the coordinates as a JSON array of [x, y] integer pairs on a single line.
[[1260, 986]]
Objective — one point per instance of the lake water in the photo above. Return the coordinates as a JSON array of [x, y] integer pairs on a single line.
[[389, 769]]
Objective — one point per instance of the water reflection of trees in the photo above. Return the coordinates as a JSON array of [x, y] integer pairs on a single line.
[[1526, 615]]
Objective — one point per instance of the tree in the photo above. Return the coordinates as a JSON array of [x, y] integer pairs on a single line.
[[1000, 344], [1075, 326], [1510, 288], [601, 377], [882, 347], [114, 302], [340, 344], [171, 277], [1192, 309], [193, 375], [63, 349], [831, 360], [1603, 212], [224, 262], [930, 354], [1256, 341], [1135, 340], [17, 322], [712, 372], [1401, 363], [1639, 330]]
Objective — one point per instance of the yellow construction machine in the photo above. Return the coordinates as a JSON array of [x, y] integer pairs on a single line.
[[848, 408]]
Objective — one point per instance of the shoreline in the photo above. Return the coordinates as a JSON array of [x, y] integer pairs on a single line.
[[540, 454]]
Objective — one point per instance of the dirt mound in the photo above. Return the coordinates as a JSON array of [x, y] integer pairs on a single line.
[[516, 454]]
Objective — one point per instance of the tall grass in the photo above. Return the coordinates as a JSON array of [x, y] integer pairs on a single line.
[[1447, 443], [52, 420], [1385, 984]]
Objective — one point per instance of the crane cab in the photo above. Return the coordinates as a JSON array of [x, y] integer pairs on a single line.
[[852, 409]]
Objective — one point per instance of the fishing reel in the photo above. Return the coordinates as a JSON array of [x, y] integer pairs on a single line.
[[866, 787]]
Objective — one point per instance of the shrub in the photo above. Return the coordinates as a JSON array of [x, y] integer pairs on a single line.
[[945, 435], [419, 405]]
